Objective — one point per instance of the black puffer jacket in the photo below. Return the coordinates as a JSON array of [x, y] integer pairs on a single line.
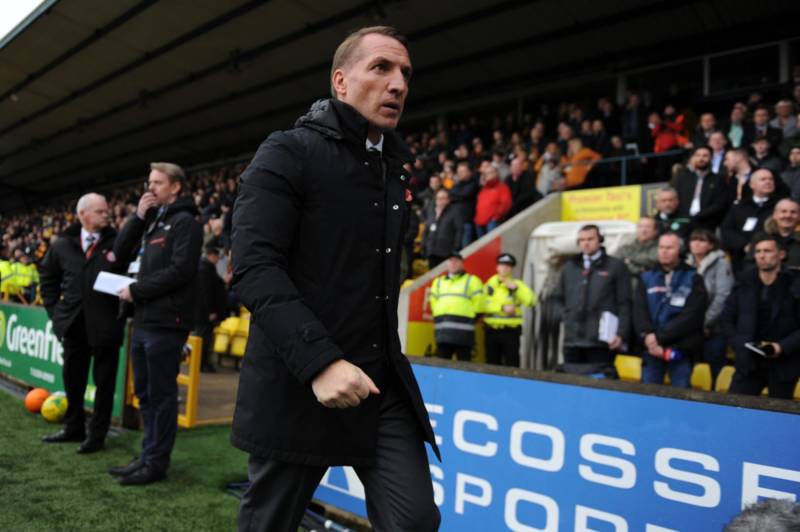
[[163, 294], [317, 235]]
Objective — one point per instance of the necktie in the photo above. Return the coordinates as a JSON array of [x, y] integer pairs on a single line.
[[91, 242]]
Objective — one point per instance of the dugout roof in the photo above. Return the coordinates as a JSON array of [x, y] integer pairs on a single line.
[[93, 90]]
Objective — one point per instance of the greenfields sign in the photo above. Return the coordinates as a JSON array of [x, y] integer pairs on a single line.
[[31, 353]]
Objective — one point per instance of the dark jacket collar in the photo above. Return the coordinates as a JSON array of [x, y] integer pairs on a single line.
[[338, 120], [73, 232], [183, 203], [599, 262]]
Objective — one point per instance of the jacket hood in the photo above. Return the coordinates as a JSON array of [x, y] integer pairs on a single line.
[[707, 262], [183, 203], [338, 120]]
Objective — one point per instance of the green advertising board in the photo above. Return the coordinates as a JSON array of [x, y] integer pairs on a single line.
[[31, 353]]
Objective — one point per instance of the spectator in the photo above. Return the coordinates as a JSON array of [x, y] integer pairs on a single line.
[[211, 305], [580, 163], [428, 196], [703, 131], [763, 157], [717, 142], [505, 301], [494, 202], [522, 186], [668, 219], [601, 142], [791, 176], [666, 133], [785, 120], [746, 217], [590, 285], [701, 193], [442, 233], [550, 176], [783, 224], [454, 317], [761, 128], [642, 253], [764, 312], [462, 197], [536, 139], [668, 314], [634, 123], [738, 169], [712, 264], [499, 163], [738, 132]]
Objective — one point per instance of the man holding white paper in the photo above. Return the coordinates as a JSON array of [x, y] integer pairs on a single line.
[[593, 285], [84, 320]]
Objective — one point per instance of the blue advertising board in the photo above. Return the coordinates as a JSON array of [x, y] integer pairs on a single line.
[[529, 455]]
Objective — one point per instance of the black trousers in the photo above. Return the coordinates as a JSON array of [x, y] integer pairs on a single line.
[[398, 487], [752, 383], [502, 346], [446, 351], [78, 357], [205, 331], [156, 359]]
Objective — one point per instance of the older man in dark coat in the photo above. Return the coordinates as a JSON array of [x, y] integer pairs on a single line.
[[317, 231], [85, 321]]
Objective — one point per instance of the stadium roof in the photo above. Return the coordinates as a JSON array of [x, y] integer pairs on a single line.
[[93, 90]]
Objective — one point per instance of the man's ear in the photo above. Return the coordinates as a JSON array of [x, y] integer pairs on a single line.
[[339, 83]]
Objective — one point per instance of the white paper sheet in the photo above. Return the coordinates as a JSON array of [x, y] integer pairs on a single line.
[[609, 324], [111, 283]]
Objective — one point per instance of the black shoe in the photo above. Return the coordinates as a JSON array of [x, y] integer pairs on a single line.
[[143, 475], [91, 445], [63, 436], [121, 471]]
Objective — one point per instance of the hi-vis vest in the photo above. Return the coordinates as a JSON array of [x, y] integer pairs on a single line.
[[7, 277], [497, 295], [455, 301], [23, 274]]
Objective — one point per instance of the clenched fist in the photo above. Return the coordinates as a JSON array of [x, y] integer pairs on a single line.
[[342, 385]]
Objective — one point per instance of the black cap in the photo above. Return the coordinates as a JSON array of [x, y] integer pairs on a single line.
[[455, 255], [506, 258]]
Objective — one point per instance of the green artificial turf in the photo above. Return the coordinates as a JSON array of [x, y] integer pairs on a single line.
[[48, 487]]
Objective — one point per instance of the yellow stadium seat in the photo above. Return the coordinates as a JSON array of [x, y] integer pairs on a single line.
[[701, 377], [724, 379], [222, 341], [797, 391], [238, 345], [629, 368]]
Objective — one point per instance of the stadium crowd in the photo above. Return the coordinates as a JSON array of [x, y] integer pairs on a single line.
[[731, 176]]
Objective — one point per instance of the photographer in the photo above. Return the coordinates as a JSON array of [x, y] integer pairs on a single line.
[[762, 323]]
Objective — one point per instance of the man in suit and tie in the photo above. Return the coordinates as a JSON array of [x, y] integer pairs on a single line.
[[700, 191], [85, 321]]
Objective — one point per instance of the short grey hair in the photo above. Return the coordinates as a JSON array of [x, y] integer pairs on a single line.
[[671, 190], [85, 200], [772, 515]]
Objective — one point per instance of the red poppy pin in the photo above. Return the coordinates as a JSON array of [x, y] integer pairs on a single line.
[[409, 195]]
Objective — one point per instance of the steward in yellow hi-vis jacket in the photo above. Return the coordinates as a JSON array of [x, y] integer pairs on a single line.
[[505, 302], [456, 299]]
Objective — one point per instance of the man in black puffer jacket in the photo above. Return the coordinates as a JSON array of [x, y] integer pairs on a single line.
[[163, 296]]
